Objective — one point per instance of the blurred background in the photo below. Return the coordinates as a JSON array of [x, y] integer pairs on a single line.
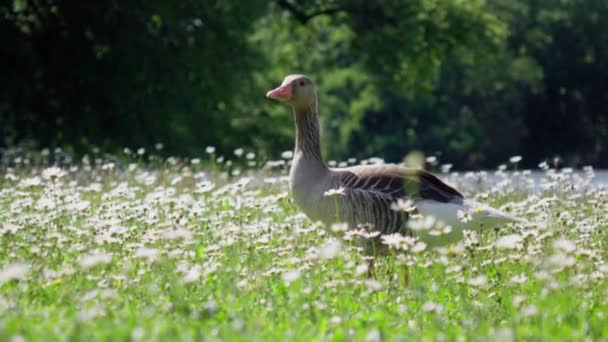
[[470, 82]]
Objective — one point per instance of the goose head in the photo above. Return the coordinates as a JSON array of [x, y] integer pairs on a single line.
[[296, 90]]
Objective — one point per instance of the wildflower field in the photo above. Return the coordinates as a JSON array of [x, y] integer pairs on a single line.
[[136, 247]]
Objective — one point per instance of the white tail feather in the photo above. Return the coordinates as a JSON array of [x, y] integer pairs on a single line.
[[481, 217]]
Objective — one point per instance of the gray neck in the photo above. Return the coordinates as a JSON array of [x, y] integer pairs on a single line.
[[307, 133]]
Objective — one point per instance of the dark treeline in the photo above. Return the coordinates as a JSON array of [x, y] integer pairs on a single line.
[[473, 82]]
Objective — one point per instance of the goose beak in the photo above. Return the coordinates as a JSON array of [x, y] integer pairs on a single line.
[[282, 93]]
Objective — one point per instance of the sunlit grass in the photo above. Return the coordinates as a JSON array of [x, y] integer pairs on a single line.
[[208, 250]]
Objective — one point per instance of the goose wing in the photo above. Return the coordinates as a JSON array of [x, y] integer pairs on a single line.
[[394, 182], [369, 192]]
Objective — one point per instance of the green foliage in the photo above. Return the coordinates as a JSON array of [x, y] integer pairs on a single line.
[[370, 60], [128, 73], [473, 82]]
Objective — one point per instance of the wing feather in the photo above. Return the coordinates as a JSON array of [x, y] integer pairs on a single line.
[[370, 191], [397, 182]]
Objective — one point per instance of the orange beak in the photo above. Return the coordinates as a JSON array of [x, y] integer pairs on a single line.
[[282, 93]]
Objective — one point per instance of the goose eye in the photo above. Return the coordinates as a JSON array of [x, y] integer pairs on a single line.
[[301, 83]]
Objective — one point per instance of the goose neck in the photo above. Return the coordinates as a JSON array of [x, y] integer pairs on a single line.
[[307, 133]]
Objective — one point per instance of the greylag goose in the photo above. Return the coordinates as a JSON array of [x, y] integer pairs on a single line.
[[369, 195]]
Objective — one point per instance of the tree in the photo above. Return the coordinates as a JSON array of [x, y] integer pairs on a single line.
[[124, 73], [371, 59]]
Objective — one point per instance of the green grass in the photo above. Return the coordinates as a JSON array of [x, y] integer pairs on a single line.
[[155, 253]]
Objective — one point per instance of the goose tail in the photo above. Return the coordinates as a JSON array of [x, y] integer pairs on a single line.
[[485, 215], [468, 214]]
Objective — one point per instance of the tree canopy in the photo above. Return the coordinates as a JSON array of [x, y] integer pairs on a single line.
[[472, 82]]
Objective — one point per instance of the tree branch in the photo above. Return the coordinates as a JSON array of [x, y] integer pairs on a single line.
[[303, 17]]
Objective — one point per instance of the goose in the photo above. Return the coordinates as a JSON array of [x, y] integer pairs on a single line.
[[367, 195]]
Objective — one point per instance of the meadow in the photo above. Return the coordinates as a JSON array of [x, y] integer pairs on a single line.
[[137, 247]]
